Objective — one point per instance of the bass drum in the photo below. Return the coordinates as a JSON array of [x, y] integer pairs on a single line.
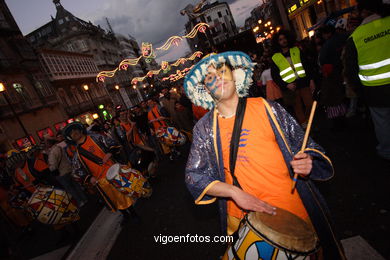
[[52, 206]]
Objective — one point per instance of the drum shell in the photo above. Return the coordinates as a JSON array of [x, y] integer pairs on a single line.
[[131, 183], [257, 241], [171, 136], [52, 206]]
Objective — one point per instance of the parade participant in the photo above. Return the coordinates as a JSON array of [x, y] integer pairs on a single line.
[[268, 152], [367, 67], [92, 159], [61, 168], [24, 176], [290, 71]]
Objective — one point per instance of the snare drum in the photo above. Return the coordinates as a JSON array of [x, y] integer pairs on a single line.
[[128, 181], [171, 136], [52, 206], [266, 237]]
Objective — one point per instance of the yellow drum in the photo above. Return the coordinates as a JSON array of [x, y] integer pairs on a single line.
[[128, 181], [266, 237], [52, 206]]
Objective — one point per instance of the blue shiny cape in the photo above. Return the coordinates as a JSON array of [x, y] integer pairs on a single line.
[[204, 168]]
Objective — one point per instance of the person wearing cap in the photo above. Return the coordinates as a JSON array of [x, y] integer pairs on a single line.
[[367, 67], [268, 153], [92, 159], [61, 168]]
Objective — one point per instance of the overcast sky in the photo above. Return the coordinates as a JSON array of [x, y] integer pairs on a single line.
[[146, 20]]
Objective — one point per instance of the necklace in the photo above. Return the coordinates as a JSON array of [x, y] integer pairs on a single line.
[[223, 116]]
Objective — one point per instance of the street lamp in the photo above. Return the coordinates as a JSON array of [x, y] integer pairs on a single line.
[[2, 90], [86, 88], [123, 101], [260, 21]]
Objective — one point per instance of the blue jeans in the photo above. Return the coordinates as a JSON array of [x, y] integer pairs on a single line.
[[73, 188], [381, 118]]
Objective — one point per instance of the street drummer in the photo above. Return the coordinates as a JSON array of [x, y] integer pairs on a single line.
[[92, 159], [267, 156]]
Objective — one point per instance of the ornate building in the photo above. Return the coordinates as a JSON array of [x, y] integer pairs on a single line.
[[67, 32], [218, 16], [26, 87]]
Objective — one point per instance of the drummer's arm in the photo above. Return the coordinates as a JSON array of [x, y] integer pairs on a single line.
[[243, 199]]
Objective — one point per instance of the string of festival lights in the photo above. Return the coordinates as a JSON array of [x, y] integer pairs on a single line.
[[148, 53], [165, 67]]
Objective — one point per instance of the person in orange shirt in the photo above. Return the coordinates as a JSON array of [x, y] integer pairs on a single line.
[[268, 152], [93, 158]]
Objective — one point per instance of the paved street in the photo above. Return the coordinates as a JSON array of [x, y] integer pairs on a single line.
[[357, 196]]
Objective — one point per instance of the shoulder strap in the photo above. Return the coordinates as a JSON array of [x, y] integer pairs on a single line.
[[90, 156], [234, 143]]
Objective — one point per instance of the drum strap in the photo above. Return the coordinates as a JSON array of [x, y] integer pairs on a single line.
[[235, 140], [90, 156], [234, 145]]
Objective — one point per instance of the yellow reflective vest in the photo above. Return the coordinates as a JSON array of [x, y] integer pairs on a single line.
[[372, 41], [287, 70]]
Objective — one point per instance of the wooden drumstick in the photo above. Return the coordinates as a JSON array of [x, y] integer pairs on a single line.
[[306, 137]]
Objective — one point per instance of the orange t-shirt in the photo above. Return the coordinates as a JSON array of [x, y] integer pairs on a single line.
[[153, 114], [135, 135], [260, 167], [98, 171]]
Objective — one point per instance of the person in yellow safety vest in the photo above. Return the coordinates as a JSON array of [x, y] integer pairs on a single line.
[[367, 67], [290, 71]]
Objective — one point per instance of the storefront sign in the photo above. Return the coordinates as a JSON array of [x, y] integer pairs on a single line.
[[46, 132]]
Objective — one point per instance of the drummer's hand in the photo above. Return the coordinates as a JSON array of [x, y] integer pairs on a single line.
[[107, 157], [249, 202], [93, 180], [302, 164]]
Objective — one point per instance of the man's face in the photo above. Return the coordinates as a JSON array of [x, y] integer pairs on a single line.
[[219, 82], [76, 135], [150, 103], [123, 115], [283, 41]]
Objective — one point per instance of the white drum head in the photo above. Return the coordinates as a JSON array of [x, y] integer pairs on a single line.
[[113, 171]]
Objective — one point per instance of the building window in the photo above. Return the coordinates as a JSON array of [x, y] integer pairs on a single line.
[[3, 22], [61, 21], [66, 18], [227, 12], [44, 88], [208, 19], [22, 92], [70, 47], [219, 14], [224, 27]]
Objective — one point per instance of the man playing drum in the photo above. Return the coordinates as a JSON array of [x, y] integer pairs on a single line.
[[92, 159], [267, 157]]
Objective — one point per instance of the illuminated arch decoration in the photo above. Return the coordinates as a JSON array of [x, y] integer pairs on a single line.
[[128, 62], [103, 74], [147, 52], [138, 79], [165, 67], [200, 27]]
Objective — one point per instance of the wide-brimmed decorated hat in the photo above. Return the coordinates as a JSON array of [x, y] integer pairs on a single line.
[[68, 129], [242, 68]]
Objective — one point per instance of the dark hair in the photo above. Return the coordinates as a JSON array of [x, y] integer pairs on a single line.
[[115, 118], [327, 29], [375, 6], [275, 40]]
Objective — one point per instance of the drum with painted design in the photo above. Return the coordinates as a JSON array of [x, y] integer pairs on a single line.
[[52, 206], [280, 236], [171, 136], [128, 181]]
